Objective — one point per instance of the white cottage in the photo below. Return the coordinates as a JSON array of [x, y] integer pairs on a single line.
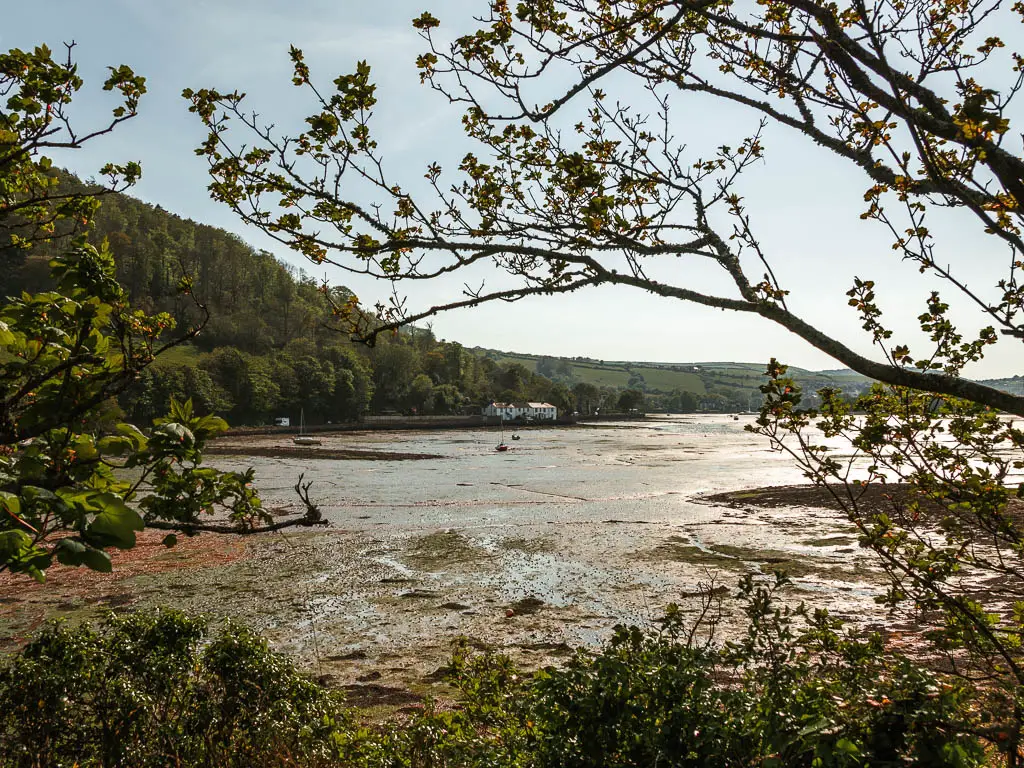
[[522, 410], [542, 411]]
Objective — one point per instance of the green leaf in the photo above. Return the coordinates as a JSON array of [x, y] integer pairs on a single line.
[[76, 553], [69, 551], [169, 540], [10, 502], [85, 448], [14, 544], [177, 432], [116, 524], [35, 493], [817, 726], [139, 440], [21, 555], [181, 411], [82, 498], [847, 747], [97, 560], [210, 425], [115, 445]]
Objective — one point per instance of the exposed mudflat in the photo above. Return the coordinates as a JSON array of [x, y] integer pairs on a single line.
[[281, 448], [536, 550], [868, 499]]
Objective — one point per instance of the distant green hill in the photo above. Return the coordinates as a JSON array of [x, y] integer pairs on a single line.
[[699, 378], [736, 382], [602, 374], [1014, 385]]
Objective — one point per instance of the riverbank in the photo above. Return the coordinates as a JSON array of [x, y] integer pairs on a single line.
[[375, 613], [406, 423]]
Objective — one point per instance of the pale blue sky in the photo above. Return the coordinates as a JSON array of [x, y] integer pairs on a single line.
[[804, 203]]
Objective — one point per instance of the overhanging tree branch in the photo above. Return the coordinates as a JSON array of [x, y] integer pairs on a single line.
[[608, 202]]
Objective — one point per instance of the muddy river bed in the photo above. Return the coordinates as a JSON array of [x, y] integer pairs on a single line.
[[434, 536]]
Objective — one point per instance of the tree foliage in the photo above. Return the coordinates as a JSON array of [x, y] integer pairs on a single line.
[[157, 689], [933, 488], [38, 90], [70, 490]]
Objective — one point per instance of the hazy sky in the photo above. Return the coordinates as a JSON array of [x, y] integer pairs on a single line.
[[804, 203]]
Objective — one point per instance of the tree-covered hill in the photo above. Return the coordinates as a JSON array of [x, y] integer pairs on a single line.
[[256, 302], [267, 349]]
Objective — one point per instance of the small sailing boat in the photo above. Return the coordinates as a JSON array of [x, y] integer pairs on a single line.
[[515, 436], [501, 446], [302, 438]]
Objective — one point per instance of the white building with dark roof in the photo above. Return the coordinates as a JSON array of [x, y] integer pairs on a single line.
[[522, 410]]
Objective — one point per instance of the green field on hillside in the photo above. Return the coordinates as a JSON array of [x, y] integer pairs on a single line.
[[184, 354], [664, 378], [611, 374], [601, 376]]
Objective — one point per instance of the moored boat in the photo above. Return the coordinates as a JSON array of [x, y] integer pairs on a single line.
[[302, 438]]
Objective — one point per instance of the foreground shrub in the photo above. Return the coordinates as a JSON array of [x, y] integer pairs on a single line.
[[143, 691], [781, 696], [155, 690]]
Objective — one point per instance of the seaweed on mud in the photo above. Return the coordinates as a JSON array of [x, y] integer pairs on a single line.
[[871, 499], [529, 546], [798, 565], [443, 549], [680, 550], [375, 695], [526, 606], [769, 560], [417, 594], [736, 558], [549, 647], [830, 541], [357, 655]]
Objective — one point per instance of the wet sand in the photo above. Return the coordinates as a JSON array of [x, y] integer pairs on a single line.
[[276, 448], [536, 551]]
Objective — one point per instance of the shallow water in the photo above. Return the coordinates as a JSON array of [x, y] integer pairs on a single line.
[[633, 467]]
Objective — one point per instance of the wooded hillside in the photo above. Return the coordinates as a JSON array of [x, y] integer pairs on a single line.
[[267, 349]]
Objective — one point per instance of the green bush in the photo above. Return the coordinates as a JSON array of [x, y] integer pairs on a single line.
[[144, 690], [155, 690], [781, 696]]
